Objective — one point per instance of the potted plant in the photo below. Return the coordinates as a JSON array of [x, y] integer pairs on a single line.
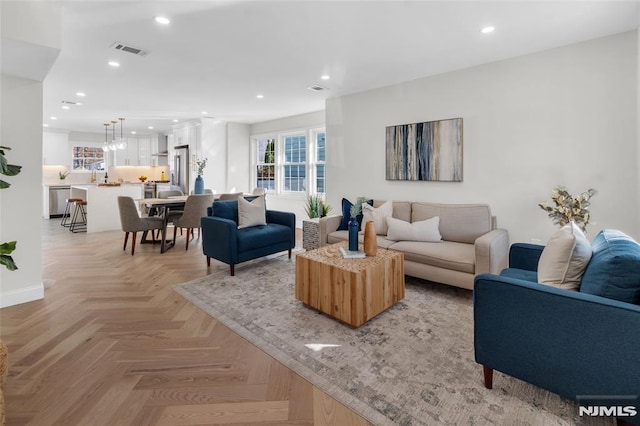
[[7, 248], [63, 175], [315, 207], [199, 187], [567, 208], [353, 223]]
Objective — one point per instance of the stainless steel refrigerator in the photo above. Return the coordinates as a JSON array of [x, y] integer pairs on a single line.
[[180, 169]]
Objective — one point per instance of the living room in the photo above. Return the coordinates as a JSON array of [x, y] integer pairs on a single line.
[[566, 115]]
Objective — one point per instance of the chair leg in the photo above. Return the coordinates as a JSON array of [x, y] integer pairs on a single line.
[[233, 269], [189, 231], [208, 261], [133, 243], [126, 237], [289, 253], [488, 377], [175, 231]]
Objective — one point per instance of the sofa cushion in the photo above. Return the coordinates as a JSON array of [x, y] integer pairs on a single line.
[[251, 213], [564, 258], [262, 236], [378, 215], [227, 209], [521, 274], [346, 215], [614, 270], [462, 223], [339, 236], [424, 230], [401, 209], [448, 255]]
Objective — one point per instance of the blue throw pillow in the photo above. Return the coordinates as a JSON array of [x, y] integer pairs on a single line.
[[346, 215], [226, 209], [614, 269]]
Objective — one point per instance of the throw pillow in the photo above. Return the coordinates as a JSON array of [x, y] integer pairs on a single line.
[[565, 258], [251, 213], [378, 216], [423, 230], [346, 215]]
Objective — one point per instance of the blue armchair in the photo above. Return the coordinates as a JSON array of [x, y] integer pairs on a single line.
[[575, 344], [222, 240]]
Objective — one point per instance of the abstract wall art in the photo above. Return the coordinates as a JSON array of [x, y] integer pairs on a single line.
[[430, 151]]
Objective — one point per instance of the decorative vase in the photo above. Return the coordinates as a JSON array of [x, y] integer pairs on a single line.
[[370, 241], [353, 234], [199, 187]]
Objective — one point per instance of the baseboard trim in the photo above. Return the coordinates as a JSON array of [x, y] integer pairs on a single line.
[[21, 295]]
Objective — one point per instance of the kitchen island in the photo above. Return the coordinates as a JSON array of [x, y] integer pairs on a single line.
[[102, 203]]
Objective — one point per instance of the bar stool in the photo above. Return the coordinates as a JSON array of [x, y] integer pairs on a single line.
[[66, 216], [76, 224]]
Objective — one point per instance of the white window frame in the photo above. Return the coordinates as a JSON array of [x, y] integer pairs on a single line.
[[310, 163]]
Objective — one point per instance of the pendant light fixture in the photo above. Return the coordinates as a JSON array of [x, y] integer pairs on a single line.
[[105, 146], [113, 145], [122, 143]]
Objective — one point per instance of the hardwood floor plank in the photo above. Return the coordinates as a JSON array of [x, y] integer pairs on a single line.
[[226, 413]]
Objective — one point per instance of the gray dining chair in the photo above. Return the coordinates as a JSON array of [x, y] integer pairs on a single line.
[[170, 193], [259, 191], [131, 221], [194, 208], [230, 196]]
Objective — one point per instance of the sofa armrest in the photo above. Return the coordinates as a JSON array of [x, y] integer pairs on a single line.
[[287, 219], [525, 256], [327, 225], [567, 342], [219, 239], [492, 249]]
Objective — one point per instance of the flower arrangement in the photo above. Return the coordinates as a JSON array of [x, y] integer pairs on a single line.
[[63, 175], [567, 208], [201, 165]]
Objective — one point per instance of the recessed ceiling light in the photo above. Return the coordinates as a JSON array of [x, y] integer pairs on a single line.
[[133, 132], [45, 125], [204, 112], [150, 127], [325, 77], [260, 96], [487, 30], [114, 64], [81, 94], [53, 118], [162, 20], [175, 121], [66, 107]]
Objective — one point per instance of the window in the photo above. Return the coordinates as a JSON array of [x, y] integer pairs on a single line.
[[292, 162], [295, 163], [88, 158], [266, 164]]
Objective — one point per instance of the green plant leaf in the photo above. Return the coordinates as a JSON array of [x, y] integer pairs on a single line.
[[8, 248], [4, 184], [8, 262]]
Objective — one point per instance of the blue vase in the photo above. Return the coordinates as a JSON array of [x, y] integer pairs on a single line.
[[353, 234], [199, 188]]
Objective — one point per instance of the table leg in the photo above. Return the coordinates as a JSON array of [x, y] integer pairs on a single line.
[[163, 244]]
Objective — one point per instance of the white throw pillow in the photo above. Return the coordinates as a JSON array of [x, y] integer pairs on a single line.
[[424, 230], [565, 258], [251, 213], [378, 216]]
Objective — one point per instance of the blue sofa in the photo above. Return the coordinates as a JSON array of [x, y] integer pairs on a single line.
[[222, 240], [578, 344]]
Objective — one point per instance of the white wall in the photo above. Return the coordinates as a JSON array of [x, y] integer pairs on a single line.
[[21, 204], [238, 152], [213, 147], [563, 116]]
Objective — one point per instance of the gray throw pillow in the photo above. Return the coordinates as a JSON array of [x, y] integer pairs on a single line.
[[251, 213]]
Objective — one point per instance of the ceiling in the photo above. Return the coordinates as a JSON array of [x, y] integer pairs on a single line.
[[217, 56]]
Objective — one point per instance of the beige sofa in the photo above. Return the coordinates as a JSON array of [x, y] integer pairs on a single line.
[[471, 243]]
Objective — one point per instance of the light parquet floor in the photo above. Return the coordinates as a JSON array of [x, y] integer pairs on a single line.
[[112, 344]]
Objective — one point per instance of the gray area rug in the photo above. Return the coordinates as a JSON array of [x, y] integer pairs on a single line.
[[411, 365]]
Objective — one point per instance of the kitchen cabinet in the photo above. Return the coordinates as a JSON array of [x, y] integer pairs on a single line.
[[144, 151]]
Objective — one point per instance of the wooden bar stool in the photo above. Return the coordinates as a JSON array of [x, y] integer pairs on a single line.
[[79, 224], [66, 216]]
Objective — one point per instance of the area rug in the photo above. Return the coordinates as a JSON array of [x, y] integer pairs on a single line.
[[411, 365]]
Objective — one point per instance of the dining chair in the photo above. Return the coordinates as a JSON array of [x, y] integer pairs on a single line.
[[170, 193], [259, 191], [131, 221], [230, 196], [194, 208]]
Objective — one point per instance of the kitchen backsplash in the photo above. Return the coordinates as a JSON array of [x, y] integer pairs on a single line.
[[50, 174]]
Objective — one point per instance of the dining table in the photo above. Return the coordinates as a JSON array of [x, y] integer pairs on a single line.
[[163, 207]]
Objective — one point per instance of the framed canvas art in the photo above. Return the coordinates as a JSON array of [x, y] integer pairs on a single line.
[[430, 151]]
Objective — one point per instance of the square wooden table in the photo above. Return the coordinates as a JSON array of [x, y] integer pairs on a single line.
[[350, 290]]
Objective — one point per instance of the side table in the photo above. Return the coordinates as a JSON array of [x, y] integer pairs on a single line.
[[310, 233]]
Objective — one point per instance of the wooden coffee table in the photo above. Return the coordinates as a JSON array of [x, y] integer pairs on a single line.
[[350, 290]]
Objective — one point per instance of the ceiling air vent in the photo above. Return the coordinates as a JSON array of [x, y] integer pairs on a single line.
[[125, 48], [70, 103], [316, 88]]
